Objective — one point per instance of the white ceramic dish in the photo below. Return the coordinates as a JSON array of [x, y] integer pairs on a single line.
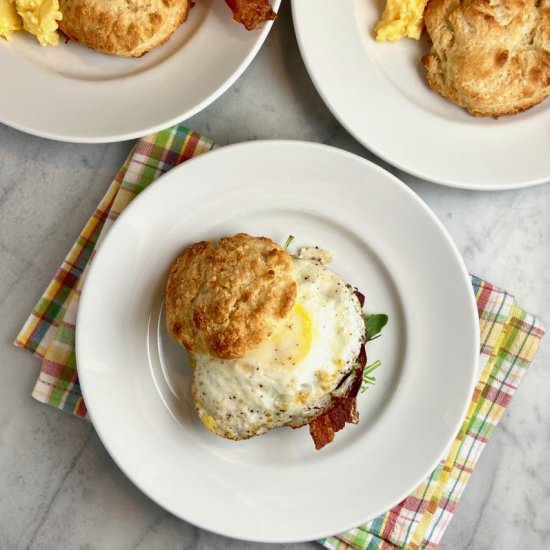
[[72, 93], [378, 93], [276, 487]]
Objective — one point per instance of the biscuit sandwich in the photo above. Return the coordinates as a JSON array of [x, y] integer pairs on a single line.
[[275, 340]]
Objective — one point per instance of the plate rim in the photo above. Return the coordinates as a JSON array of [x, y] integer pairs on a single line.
[[446, 182], [473, 328], [80, 135]]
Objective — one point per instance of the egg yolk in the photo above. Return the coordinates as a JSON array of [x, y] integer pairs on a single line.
[[289, 343]]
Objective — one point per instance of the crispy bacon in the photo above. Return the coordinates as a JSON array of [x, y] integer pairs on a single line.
[[342, 409], [360, 297], [251, 13]]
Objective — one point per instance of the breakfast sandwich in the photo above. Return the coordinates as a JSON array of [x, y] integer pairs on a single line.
[[275, 340], [127, 28], [492, 58]]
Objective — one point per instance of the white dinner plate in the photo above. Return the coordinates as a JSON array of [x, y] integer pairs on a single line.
[[73, 93], [277, 487], [379, 94]]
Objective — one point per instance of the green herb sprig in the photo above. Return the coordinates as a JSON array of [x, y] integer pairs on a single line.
[[368, 379], [374, 324]]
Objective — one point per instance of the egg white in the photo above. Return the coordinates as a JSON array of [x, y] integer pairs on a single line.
[[288, 380]]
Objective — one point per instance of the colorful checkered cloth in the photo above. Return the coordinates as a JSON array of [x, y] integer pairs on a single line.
[[509, 341]]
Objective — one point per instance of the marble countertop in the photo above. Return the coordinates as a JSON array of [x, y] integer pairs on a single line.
[[60, 488]]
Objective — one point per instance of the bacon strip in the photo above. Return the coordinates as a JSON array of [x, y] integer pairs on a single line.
[[251, 13], [360, 297], [342, 409]]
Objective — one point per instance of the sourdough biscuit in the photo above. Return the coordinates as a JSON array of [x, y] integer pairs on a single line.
[[127, 28], [225, 300], [491, 57]]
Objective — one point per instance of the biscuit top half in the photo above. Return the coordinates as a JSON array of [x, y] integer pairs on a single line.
[[224, 300]]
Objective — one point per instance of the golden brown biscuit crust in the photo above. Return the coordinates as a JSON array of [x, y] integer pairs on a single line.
[[127, 28], [225, 300], [491, 57]]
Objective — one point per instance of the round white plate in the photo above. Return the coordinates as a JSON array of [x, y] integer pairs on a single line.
[[277, 487], [379, 94], [72, 93]]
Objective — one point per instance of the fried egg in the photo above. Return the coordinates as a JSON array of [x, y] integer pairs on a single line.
[[289, 379]]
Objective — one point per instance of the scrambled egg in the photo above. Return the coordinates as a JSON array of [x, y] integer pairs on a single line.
[[401, 18], [9, 20], [38, 17]]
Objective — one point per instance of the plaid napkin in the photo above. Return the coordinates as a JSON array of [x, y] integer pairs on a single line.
[[509, 341]]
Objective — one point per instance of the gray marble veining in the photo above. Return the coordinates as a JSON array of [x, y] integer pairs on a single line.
[[61, 490]]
